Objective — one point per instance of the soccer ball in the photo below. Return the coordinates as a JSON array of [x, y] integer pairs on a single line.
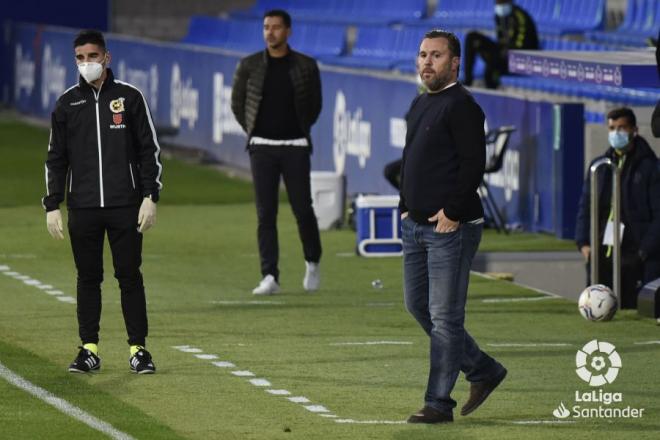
[[597, 303]]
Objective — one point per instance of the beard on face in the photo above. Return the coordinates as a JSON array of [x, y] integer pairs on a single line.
[[436, 81]]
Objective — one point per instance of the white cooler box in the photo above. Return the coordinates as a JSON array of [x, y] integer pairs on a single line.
[[328, 198], [378, 225]]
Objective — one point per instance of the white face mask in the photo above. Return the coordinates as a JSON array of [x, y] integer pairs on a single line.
[[91, 71]]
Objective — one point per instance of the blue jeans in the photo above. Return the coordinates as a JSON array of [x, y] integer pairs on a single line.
[[436, 271]]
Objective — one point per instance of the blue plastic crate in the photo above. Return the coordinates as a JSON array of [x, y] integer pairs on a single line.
[[378, 226]]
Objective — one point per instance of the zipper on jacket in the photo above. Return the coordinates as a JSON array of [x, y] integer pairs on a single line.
[[70, 180], [130, 168], [98, 140]]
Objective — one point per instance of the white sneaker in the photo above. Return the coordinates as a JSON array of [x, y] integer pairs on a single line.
[[267, 286], [312, 276]]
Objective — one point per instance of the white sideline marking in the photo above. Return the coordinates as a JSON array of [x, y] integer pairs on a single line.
[[67, 299], [54, 292], [279, 392], [187, 349], [44, 286], [62, 405], [243, 373], [206, 356], [381, 304], [330, 416], [647, 342], [31, 282], [372, 343], [512, 300], [541, 422], [248, 303], [371, 422], [316, 408], [20, 277], [299, 399], [532, 344], [223, 364], [260, 382], [345, 254], [4, 268], [541, 291], [10, 274]]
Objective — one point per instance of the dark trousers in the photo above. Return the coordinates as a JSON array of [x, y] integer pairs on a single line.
[[293, 164], [492, 54], [87, 229], [632, 276]]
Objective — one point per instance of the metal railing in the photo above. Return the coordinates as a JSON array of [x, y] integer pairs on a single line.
[[616, 238]]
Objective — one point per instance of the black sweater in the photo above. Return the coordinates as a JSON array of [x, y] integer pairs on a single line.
[[444, 157]]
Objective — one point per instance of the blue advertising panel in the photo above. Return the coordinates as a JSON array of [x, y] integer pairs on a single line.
[[360, 129]]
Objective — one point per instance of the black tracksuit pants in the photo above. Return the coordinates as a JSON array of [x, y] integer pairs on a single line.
[[87, 229], [492, 54], [268, 163]]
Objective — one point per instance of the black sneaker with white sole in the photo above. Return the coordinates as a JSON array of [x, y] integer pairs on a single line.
[[85, 362], [141, 362]]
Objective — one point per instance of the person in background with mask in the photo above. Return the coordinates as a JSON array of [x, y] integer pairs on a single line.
[[103, 157], [640, 209], [515, 29]]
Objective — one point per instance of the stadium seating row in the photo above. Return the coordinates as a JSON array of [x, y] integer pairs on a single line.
[[553, 17], [641, 21], [342, 11]]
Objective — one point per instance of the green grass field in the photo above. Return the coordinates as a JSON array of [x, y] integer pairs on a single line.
[[200, 264]]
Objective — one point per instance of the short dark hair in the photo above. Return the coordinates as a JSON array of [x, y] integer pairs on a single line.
[[88, 36], [286, 18], [623, 112], [452, 39]]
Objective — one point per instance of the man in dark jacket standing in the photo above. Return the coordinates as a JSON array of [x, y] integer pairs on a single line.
[[515, 30], [104, 156], [640, 209], [442, 220], [276, 98]]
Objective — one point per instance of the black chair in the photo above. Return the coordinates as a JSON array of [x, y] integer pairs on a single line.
[[497, 141]]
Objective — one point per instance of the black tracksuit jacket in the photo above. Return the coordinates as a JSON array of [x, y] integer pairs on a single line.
[[103, 150]]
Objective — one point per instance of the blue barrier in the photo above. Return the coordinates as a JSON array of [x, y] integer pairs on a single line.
[[361, 127]]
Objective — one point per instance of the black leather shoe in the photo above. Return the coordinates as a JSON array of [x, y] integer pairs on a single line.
[[430, 415], [479, 392]]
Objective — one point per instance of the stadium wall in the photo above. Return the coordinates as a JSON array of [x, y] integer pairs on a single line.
[[360, 129]]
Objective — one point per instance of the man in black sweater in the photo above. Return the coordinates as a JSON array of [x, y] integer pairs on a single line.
[[515, 29], [276, 98], [442, 220]]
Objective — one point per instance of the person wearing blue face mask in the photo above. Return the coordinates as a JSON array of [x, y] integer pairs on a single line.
[[515, 29], [640, 209]]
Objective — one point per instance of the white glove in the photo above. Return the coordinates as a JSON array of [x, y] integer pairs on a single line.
[[147, 215], [54, 224]]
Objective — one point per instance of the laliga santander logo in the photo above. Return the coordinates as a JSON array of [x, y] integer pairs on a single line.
[[597, 363]]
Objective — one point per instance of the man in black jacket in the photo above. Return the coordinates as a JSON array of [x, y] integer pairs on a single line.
[[515, 30], [442, 221], [103, 156], [276, 98], [640, 209]]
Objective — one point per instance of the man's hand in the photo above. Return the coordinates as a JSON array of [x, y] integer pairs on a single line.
[[54, 224], [444, 224], [404, 215], [585, 251], [147, 215]]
